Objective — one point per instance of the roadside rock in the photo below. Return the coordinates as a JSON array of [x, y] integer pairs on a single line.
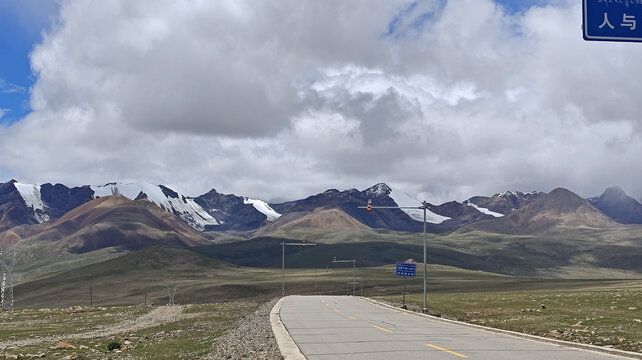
[[251, 338], [64, 345]]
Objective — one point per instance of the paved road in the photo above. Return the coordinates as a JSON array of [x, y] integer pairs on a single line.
[[341, 327]]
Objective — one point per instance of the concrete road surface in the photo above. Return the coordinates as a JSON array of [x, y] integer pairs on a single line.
[[341, 327]]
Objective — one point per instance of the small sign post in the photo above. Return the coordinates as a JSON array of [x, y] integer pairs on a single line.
[[405, 270], [612, 20], [283, 245], [424, 207]]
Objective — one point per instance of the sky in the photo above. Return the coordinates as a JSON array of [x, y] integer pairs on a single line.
[[279, 100]]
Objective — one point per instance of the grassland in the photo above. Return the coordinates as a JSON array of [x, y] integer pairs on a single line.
[[605, 316], [85, 333], [588, 283], [602, 311]]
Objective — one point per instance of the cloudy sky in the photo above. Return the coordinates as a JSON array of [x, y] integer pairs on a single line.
[[283, 99]]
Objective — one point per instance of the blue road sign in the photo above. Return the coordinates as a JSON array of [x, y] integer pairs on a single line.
[[612, 20], [406, 269]]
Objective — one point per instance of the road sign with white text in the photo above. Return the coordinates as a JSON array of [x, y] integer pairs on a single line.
[[612, 20], [406, 269]]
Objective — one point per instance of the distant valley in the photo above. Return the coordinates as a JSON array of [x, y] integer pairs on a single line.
[[63, 230]]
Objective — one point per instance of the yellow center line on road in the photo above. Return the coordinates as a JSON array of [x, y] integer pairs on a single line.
[[352, 317], [335, 310], [380, 328], [446, 350]]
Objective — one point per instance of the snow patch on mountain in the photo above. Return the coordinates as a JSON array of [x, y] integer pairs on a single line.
[[504, 193], [181, 206], [262, 207], [484, 210], [403, 199], [31, 195], [379, 190]]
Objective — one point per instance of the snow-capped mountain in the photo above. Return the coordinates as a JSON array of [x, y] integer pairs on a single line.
[[165, 198], [349, 201], [22, 203], [236, 212], [404, 200], [560, 208], [31, 204], [263, 207], [483, 210], [33, 198], [502, 203]]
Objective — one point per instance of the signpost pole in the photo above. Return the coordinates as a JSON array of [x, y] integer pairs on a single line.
[[425, 206], [354, 279], [354, 266], [405, 270], [403, 302], [283, 245]]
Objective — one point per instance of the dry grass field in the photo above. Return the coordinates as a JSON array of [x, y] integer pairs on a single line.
[[604, 316], [132, 332]]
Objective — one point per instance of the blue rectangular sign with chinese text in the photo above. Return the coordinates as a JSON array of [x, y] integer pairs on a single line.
[[406, 269], [612, 20]]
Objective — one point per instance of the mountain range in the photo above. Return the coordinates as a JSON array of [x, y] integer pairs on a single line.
[[507, 212], [556, 234]]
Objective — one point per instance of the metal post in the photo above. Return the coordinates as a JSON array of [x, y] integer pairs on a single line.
[[283, 245], [316, 292], [403, 302], [354, 266], [425, 206]]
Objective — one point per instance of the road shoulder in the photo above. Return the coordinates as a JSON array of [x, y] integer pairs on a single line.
[[287, 346]]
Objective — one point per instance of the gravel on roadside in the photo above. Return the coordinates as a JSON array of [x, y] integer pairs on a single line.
[[252, 338]]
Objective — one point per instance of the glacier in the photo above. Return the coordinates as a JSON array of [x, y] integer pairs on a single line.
[[262, 207], [403, 199]]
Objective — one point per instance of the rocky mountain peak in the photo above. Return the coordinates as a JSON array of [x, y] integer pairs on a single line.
[[615, 203], [378, 190], [614, 192]]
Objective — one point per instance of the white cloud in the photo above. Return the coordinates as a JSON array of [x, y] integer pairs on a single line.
[[282, 99], [9, 88]]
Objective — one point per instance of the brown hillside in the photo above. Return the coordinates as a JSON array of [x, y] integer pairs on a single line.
[[557, 209], [326, 219], [331, 219], [117, 221]]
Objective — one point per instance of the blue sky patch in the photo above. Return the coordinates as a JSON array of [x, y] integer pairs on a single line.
[[412, 18], [520, 6], [21, 26]]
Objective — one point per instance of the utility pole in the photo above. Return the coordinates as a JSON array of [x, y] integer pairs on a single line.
[[283, 245], [354, 265], [424, 207]]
